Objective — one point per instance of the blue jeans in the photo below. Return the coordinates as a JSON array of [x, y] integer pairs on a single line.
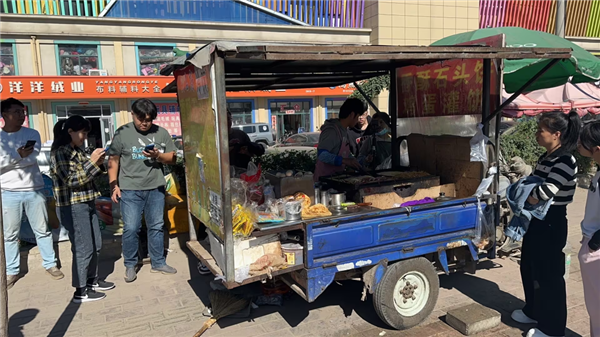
[[152, 204], [34, 204], [81, 221]]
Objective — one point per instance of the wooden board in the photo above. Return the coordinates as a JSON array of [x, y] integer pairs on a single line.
[[387, 200], [205, 257]]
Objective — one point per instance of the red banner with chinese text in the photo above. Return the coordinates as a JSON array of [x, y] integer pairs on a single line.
[[445, 88], [169, 118]]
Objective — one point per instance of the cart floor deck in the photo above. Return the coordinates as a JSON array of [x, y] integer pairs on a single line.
[[203, 254]]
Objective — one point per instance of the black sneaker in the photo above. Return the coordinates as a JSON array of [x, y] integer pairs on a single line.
[[203, 270], [83, 295], [101, 285]]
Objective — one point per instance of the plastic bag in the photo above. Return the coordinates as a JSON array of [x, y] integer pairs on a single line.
[[269, 192], [386, 165], [484, 226], [239, 191], [482, 189], [478, 142]]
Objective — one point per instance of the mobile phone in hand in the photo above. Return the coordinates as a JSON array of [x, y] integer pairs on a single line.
[[107, 148], [30, 143], [149, 147]]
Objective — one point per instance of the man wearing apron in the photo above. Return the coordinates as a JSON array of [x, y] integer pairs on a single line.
[[333, 152]]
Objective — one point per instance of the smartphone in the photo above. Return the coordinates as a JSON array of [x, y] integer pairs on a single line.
[[149, 147], [106, 148], [30, 143]]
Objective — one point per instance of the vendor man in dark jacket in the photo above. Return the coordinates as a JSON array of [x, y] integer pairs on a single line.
[[241, 149], [334, 152]]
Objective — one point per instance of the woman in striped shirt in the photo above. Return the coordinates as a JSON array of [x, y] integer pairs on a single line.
[[542, 257]]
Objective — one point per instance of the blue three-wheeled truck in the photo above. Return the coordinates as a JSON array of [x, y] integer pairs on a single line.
[[438, 98]]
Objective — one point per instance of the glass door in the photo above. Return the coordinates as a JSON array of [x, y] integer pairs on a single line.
[[292, 116], [100, 117]]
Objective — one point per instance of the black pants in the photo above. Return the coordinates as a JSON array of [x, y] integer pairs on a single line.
[[543, 269], [81, 221]]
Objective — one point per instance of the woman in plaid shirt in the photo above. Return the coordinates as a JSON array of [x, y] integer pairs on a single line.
[[73, 176]]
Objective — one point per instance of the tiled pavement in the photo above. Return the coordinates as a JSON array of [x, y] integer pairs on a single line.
[[158, 305]]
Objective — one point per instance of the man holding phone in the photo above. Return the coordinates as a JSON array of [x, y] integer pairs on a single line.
[[137, 154], [22, 186]]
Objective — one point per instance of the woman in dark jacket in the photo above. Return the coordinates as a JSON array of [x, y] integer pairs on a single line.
[[542, 257]]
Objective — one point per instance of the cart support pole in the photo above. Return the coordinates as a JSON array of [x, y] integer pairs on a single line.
[[366, 97], [485, 94], [393, 105], [3, 290], [520, 91]]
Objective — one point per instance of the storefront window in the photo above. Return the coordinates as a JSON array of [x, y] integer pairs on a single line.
[[7, 59], [153, 59], [99, 115], [333, 107], [291, 117], [241, 112], [77, 59]]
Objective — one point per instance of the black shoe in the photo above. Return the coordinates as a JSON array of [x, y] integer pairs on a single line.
[[83, 295], [101, 285]]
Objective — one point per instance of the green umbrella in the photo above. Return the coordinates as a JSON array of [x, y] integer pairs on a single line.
[[582, 66]]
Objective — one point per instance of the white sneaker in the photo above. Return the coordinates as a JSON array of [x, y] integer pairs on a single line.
[[536, 333], [520, 317]]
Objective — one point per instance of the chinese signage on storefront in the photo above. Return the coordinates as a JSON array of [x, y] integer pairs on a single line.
[[114, 87], [86, 87], [168, 117]]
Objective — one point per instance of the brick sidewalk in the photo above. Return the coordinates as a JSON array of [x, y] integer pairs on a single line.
[[158, 305]]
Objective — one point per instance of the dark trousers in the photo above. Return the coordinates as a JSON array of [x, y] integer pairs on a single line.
[[543, 269], [81, 221]]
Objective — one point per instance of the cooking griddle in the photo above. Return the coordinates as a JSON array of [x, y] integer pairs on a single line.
[[356, 191]]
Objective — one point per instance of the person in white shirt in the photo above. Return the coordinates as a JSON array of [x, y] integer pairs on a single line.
[[589, 255], [22, 185]]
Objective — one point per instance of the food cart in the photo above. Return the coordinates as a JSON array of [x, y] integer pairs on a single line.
[[397, 251]]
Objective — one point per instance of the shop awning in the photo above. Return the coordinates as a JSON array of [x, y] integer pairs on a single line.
[[584, 97], [276, 66]]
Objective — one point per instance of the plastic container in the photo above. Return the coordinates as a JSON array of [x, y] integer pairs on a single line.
[[293, 210], [293, 253]]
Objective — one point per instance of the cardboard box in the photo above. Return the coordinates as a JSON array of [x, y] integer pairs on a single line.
[[289, 185]]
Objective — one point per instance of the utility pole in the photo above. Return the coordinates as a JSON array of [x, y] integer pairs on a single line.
[[3, 290], [561, 18]]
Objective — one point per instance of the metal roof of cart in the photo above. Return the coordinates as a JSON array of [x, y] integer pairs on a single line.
[[255, 66]]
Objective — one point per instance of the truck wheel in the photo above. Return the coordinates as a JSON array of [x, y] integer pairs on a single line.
[[407, 293]]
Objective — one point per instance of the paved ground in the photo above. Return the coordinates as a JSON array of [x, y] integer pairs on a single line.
[[157, 305]]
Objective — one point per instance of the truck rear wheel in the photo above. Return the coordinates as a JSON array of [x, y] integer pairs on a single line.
[[407, 293]]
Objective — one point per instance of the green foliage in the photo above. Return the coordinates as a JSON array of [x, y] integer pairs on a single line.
[[584, 164], [288, 160], [372, 87], [521, 143]]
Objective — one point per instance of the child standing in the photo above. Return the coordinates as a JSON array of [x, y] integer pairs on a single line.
[[589, 255]]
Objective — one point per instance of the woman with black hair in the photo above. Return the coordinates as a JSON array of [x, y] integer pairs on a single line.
[[376, 144], [542, 257], [75, 193], [589, 255]]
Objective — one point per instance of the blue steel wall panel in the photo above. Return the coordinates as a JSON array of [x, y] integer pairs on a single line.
[[193, 10]]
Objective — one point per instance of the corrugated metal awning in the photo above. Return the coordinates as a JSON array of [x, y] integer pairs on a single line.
[[271, 67]]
